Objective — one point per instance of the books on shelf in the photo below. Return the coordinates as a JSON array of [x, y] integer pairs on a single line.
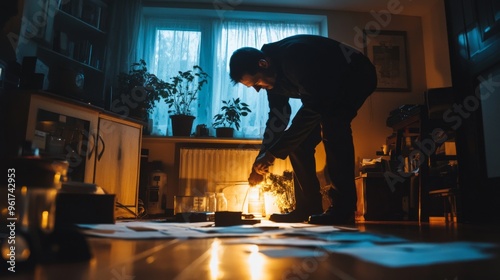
[[91, 12], [86, 47], [79, 50]]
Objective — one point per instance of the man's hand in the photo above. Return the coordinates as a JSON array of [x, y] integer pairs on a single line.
[[255, 178], [262, 163], [260, 168]]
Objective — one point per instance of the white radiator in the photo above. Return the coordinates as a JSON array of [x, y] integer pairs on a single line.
[[203, 169]]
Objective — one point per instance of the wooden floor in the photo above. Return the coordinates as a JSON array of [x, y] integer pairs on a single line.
[[216, 258], [434, 232]]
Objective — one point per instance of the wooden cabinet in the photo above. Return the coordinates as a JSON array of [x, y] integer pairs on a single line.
[[101, 148], [59, 129], [117, 159]]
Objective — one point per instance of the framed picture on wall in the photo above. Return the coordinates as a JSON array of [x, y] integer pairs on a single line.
[[387, 51]]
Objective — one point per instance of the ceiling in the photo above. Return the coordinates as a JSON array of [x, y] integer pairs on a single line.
[[407, 7]]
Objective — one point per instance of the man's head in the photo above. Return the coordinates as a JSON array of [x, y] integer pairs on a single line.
[[250, 67]]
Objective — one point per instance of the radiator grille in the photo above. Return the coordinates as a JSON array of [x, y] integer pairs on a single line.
[[202, 169]]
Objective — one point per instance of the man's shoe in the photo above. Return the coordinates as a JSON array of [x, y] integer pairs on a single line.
[[292, 217], [333, 216]]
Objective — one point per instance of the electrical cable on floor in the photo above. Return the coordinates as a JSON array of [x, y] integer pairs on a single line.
[[119, 205]]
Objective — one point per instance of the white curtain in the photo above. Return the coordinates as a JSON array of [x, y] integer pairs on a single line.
[[172, 45], [178, 43], [235, 34]]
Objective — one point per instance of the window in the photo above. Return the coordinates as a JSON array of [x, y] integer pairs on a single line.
[[175, 40]]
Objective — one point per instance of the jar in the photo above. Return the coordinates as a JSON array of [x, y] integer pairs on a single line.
[[30, 191], [256, 203], [33, 184], [221, 202], [210, 202]]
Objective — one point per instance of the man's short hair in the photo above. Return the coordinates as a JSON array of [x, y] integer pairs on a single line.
[[244, 61]]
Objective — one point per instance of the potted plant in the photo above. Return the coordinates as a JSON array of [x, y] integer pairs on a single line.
[[280, 188], [183, 90], [229, 117], [137, 92]]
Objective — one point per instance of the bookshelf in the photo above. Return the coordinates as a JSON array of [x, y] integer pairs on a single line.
[[74, 49]]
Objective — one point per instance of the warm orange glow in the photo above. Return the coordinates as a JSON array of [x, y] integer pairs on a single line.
[[93, 269], [214, 260], [256, 202], [44, 222], [150, 259], [22, 249], [24, 198], [255, 263], [57, 178]]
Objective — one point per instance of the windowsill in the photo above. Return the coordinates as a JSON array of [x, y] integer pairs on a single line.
[[210, 140]]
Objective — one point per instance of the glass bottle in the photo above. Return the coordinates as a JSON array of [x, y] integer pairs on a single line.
[[210, 202], [221, 202]]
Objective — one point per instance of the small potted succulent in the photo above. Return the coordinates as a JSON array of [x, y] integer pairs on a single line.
[[183, 90], [229, 117]]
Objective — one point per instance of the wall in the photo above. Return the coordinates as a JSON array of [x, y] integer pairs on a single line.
[[369, 129], [437, 58], [428, 60]]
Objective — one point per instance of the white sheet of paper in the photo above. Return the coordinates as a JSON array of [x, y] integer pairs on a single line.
[[418, 254], [290, 242], [293, 253], [360, 237], [383, 250]]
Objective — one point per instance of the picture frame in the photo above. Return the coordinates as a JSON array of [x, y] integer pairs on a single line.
[[388, 52]]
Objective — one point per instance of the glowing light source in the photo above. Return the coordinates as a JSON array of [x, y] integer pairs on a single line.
[[256, 204], [57, 179], [44, 222], [24, 218], [214, 260], [255, 263]]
